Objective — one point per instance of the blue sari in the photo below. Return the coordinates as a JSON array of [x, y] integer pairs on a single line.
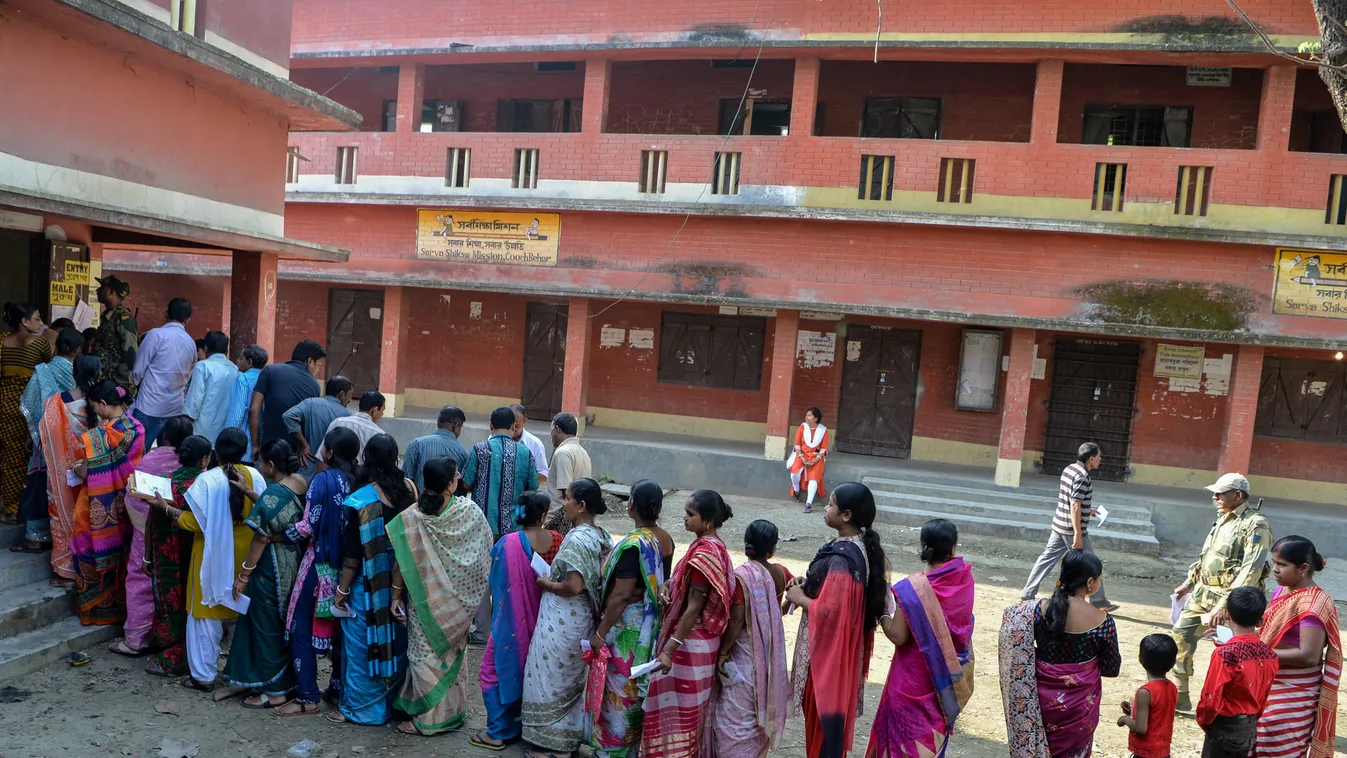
[[373, 642], [310, 625]]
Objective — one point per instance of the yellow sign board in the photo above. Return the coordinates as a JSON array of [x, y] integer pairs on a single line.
[[1179, 361], [76, 272], [62, 293], [472, 236], [1310, 283]]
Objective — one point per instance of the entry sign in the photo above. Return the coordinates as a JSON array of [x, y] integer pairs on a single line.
[[473, 236], [77, 272], [1179, 361], [1209, 76]]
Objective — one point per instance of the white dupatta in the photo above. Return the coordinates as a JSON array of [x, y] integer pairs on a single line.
[[812, 439], [209, 498]]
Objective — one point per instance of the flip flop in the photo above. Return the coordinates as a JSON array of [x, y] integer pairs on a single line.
[[192, 684], [477, 741], [120, 648], [808, 509], [1110, 608], [336, 717], [265, 705]]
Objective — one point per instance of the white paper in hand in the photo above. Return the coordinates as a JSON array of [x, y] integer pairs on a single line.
[[1223, 634], [239, 606], [1176, 606], [540, 565], [644, 668], [1102, 513], [341, 613], [149, 484]]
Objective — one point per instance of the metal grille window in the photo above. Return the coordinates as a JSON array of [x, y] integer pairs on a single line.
[[291, 166], [902, 117], [346, 170], [876, 182], [1110, 182], [525, 174], [1303, 400], [1193, 192], [1147, 126], [706, 350], [457, 164], [956, 180], [651, 180], [1336, 212], [725, 174]]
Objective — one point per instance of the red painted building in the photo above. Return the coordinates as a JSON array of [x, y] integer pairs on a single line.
[[969, 232]]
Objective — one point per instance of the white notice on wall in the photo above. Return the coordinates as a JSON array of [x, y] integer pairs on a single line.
[[1209, 76], [815, 349], [729, 310], [760, 312], [642, 339], [1179, 384], [612, 336], [1040, 370], [853, 351], [1218, 375], [474, 310]]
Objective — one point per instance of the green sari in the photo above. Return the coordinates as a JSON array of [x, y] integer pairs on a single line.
[[445, 561], [258, 656]]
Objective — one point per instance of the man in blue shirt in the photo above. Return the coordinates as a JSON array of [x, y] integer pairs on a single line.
[[281, 387], [250, 364], [443, 442], [163, 363], [308, 422], [212, 384]]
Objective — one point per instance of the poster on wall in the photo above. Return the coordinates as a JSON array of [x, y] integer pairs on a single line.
[[979, 370], [1310, 283], [1179, 361], [474, 236]]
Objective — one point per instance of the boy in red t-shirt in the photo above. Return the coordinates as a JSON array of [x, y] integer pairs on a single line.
[[1150, 715], [1238, 680]]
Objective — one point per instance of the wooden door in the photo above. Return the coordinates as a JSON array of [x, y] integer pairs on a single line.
[[1092, 399], [544, 360], [354, 336], [879, 391]]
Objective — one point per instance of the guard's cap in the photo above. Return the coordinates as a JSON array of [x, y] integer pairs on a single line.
[[1229, 482]]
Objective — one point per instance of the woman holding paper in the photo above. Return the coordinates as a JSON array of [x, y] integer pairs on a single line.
[[258, 656], [515, 596], [63, 422], [630, 625], [443, 551], [554, 679], [169, 550]]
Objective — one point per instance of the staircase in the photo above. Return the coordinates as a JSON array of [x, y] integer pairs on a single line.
[[982, 508], [37, 621]]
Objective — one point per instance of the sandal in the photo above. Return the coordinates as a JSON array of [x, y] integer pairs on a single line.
[[296, 709], [480, 740], [808, 509], [78, 659], [192, 684], [24, 547], [156, 668], [336, 717], [408, 727], [121, 648]]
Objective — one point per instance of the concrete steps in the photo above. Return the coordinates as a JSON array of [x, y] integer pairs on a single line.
[[37, 621], [995, 512]]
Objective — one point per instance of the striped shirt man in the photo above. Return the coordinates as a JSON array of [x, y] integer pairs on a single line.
[[1075, 485]]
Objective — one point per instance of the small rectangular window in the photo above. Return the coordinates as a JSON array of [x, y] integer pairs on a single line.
[[525, 175], [725, 174], [555, 66], [732, 62], [188, 16], [1336, 213], [1193, 191], [538, 115], [291, 166], [346, 169], [876, 181], [902, 117], [746, 116], [457, 165], [1142, 126], [1110, 183], [956, 180], [441, 115], [651, 179], [708, 350], [390, 116]]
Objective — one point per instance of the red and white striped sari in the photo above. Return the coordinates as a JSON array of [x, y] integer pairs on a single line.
[[1301, 712]]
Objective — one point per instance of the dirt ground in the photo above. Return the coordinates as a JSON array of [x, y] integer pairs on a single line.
[[111, 707]]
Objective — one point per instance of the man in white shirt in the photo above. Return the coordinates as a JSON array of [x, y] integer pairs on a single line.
[[528, 440], [365, 424]]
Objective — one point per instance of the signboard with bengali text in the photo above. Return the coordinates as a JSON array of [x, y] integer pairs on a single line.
[[1310, 283], [474, 236]]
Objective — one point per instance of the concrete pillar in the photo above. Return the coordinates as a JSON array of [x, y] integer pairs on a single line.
[[782, 384], [1274, 110], [594, 110], [252, 305], [395, 350], [1015, 408], [1241, 408], [579, 339], [804, 98], [1047, 101], [411, 93]]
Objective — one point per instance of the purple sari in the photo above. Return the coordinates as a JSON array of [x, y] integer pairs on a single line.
[[515, 596], [918, 708], [1052, 709]]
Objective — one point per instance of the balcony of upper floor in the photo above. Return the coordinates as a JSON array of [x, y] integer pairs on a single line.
[[1235, 153]]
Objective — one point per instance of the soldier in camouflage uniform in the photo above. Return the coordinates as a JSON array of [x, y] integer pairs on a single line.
[[1235, 554], [118, 333]]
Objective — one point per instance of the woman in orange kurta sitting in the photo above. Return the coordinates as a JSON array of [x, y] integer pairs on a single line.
[[808, 458]]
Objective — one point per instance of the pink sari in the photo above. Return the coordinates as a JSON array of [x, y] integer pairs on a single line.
[[161, 461], [749, 713], [1052, 709]]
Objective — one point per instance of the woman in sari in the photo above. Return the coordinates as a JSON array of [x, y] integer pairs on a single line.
[[22, 348], [553, 710], [1053, 654], [161, 461], [63, 421], [842, 595], [443, 551], [808, 458], [698, 611], [49, 379], [515, 596], [1301, 626], [168, 551], [749, 712], [629, 628], [374, 645], [258, 656], [931, 627], [310, 625], [101, 537]]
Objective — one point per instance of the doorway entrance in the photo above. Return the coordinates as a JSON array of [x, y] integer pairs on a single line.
[[354, 334], [1092, 399], [879, 391], [544, 360]]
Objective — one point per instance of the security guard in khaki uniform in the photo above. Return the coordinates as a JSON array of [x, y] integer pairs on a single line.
[[1235, 554], [118, 334]]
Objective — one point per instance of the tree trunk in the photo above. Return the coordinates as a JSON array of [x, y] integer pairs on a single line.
[[1332, 14]]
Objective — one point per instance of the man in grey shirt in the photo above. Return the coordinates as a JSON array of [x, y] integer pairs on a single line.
[[443, 442], [307, 422], [569, 462]]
